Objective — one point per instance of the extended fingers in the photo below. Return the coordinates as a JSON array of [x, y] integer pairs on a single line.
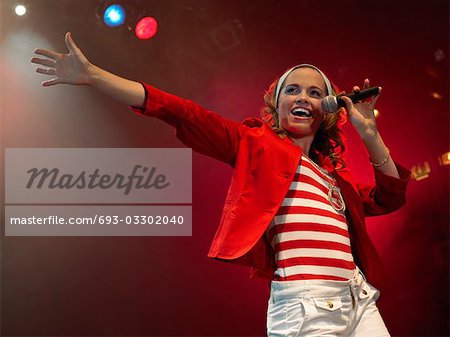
[[44, 62], [70, 43], [366, 83], [45, 52], [374, 100], [50, 82], [46, 71]]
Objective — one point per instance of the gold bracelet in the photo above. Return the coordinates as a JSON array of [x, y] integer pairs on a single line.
[[383, 161]]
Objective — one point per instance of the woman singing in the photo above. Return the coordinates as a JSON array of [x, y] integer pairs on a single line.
[[292, 212]]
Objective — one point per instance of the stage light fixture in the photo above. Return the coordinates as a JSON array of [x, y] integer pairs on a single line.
[[146, 28], [439, 54], [20, 10], [420, 172], [436, 95], [444, 159], [114, 15]]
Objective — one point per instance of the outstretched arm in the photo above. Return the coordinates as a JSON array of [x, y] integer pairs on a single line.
[[202, 130], [74, 68]]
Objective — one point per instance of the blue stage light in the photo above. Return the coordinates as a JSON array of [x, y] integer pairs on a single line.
[[114, 15]]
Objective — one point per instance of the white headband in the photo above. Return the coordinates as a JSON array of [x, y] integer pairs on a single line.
[[286, 74]]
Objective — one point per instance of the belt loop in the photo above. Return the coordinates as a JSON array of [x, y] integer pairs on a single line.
[[362, 274]]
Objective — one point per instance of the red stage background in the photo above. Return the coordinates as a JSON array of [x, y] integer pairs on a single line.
[[223, 55]]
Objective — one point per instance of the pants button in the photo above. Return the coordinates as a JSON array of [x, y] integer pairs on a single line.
[[329, 304]]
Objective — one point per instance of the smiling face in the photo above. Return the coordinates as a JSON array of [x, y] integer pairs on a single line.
[[299, 106]]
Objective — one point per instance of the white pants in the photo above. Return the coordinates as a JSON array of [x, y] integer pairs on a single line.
[[324, 308]]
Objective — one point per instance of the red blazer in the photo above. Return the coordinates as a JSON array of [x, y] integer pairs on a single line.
[[264, 166]]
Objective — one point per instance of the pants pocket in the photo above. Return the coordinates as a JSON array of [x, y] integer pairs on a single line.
[[328, 315], [328, 304], [295, 316], [285, 317]]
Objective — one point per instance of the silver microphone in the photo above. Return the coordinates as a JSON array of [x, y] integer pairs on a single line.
[[333, 103]]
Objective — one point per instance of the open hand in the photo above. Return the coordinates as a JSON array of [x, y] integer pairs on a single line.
[[71, 68]]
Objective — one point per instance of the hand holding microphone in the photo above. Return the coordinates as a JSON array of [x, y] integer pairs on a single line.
[[361, 114], [333, 103]]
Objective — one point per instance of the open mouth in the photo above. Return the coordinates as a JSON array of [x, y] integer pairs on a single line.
[[301, 112]]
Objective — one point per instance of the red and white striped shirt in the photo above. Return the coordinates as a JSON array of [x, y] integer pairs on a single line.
[[309, 236]]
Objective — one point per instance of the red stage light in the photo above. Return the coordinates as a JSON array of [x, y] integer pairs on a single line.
[[146, 28]]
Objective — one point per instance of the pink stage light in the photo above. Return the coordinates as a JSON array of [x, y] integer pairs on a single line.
[[146, 28]]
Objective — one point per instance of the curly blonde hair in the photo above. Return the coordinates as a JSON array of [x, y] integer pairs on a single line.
[[329, 140]]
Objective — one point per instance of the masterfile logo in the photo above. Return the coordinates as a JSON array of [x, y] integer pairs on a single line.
[[98, 175], [54, 179]]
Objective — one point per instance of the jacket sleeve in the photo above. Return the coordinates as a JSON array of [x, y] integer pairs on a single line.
[[202, 130], [388, 194]]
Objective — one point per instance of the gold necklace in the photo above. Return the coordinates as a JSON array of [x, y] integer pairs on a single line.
[[334, 192]]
